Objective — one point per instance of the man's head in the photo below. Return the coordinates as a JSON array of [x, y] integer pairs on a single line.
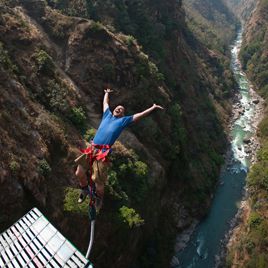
[[119, 111]]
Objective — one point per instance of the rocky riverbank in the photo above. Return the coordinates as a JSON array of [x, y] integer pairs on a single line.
[[251, 142], [251, 145], [181, 242], [247, 112]]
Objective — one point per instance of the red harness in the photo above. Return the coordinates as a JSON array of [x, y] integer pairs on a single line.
[[95, 152]]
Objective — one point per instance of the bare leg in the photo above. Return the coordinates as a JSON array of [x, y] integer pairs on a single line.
[[99, 189], [99, 176], [81, 175]]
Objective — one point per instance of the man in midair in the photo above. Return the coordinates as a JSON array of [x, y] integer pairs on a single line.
[[111, 126]]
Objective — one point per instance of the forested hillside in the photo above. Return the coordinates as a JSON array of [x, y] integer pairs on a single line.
[[250, 248], [56, 58], [212, 22], [242, 9]]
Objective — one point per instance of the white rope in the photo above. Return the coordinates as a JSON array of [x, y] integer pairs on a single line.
[[92, 228]]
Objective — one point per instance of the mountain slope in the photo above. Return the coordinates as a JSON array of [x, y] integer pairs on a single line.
[[212, 23], [54, 68], [242, 9]]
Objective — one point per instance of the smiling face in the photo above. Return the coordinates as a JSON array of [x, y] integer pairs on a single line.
[[119, 111]]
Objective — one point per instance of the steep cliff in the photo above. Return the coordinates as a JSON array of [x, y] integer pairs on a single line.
[[249, 246], [54, 68], [242, 9], [212, 22]]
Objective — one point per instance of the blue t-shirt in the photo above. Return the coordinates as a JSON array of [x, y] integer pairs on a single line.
[[111, 127]]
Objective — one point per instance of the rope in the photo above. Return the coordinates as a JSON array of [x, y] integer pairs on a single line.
[[92, 229], [95, 152]]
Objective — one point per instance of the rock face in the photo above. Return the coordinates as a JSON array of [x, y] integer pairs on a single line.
[[53, 70]]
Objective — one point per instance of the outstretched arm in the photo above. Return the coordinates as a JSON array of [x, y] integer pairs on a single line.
[[106, 99], [146, 112]]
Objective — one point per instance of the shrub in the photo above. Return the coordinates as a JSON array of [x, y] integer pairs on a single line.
[[142, 70], [128, 177], [155, 72], [90, 134], [96, 26], [56, 97], [131, 217], [262, 78], [5, 60], [143, 57], [45, 62], [254, 220], [249, 245], [160, 77], [140, 169], [258, 176], [53, 96], [44, 168], [130, 40], [264, 91], [264, 127], [70, 202], [115, 188], [78, 117], [14, 166], [113, 181]]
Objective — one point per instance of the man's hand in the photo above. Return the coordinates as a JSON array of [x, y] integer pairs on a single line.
[[155, 106], [108, 90], [138, 116], [106, 99]]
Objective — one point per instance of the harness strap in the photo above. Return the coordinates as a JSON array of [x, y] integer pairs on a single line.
[[95, 152]]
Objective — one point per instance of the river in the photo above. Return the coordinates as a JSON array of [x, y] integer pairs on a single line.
[[206, 242]]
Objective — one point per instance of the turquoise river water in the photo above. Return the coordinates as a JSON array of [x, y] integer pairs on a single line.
[[206, 241]]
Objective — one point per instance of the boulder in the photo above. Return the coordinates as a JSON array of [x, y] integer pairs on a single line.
[[174, 262], [247, 140]]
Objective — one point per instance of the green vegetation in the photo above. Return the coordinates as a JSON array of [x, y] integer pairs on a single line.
[[132, 18], [81, 8], [45, 62], [128, 178], [254, 60], [14, 167], [214, 26], [130, 40], [44, 168], [78, 117], [131, 217], [254, 220], [258, 177], [5, 60], [56, 96], [53, 96], [96, 26], [89, 134], [146, 68], [70, 202]]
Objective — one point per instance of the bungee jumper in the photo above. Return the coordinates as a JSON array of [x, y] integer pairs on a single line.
[[93, 164]]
